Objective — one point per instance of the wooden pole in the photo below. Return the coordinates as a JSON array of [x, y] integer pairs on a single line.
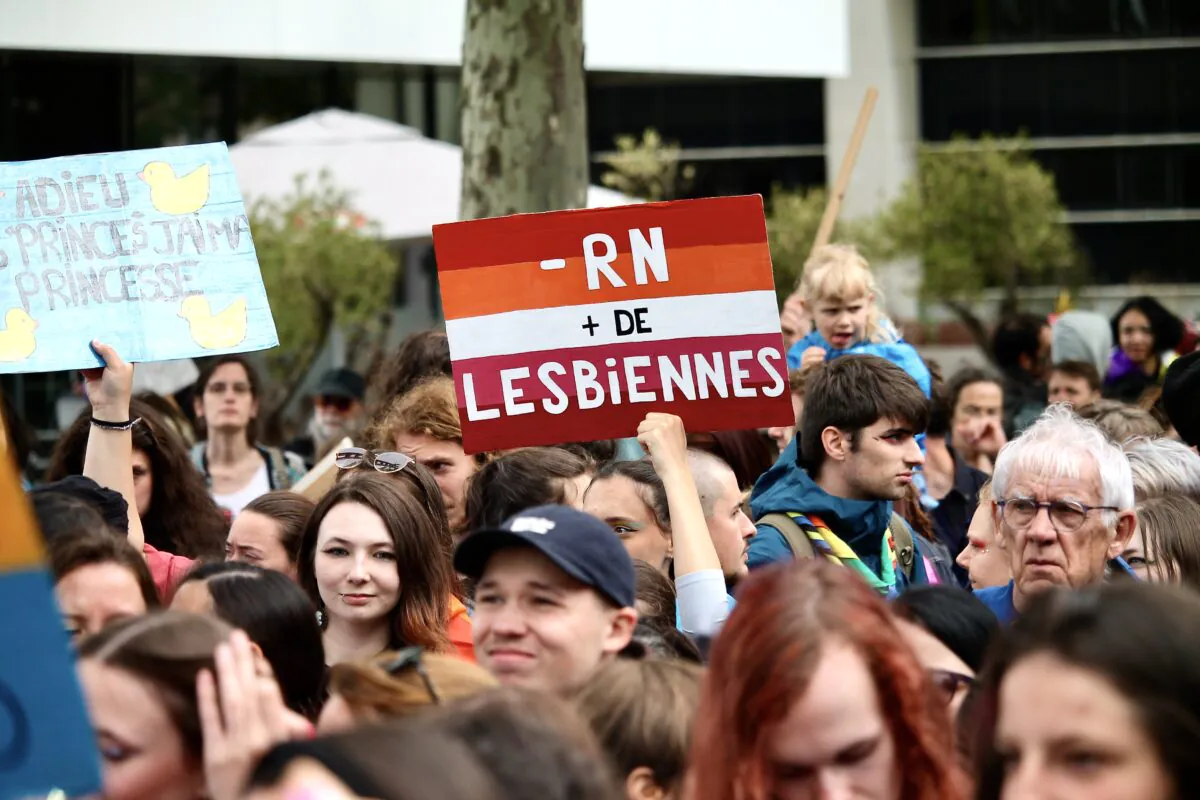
[[834, 206]]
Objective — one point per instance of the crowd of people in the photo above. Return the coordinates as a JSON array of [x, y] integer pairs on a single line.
[[932, 587]]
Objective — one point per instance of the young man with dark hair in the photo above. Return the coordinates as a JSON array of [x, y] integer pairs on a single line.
[[1076, 383], [1021, 347], [831, 492]]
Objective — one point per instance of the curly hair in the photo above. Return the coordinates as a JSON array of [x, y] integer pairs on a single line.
[[421, 355], [763, 663], [429, 408], [182, 518]]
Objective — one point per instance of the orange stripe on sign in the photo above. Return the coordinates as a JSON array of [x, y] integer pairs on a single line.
[[711, 269]]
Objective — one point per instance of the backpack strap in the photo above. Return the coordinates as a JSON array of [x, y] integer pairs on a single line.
[[902, 539], [797, 540], [277, 468]]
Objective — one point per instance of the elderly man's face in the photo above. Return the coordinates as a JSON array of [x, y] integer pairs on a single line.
[[1044, 557]]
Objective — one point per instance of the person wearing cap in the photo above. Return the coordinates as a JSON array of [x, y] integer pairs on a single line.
[[554, 597], [1180, 396], [338, 411]]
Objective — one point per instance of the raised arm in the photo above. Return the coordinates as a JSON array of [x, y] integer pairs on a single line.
[[109, 457], [698, 574]]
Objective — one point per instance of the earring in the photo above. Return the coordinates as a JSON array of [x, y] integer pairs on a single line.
[[321, 618]]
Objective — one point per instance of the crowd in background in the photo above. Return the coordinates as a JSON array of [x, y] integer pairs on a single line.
[[981, 584]]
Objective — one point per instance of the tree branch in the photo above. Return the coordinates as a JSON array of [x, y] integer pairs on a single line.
[[975, 326]]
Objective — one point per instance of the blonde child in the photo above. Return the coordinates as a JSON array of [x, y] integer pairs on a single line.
[[839, 292]]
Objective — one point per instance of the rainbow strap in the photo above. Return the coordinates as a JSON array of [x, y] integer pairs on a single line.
[[830, 545]]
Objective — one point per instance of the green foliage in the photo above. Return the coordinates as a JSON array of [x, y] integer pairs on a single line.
[[792, 221], [648, 168], [322, 264], [981, 213]]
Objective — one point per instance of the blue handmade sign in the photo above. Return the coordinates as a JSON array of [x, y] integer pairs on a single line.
[[147, 250]]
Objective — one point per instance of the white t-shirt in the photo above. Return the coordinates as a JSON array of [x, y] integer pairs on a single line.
[[259, 485]]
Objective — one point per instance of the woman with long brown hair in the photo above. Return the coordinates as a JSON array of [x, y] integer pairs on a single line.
[[811, 691], [377, 564], [177, 514]]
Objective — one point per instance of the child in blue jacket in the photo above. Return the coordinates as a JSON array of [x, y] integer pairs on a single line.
[[840, 294]]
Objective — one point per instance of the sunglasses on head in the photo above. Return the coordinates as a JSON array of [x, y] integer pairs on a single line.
[[411, 658], [354, 457], [336, 403]]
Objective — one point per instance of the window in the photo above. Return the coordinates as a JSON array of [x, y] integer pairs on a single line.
[[1062, 94], [708, 112], [952, 23], [1153, 252]]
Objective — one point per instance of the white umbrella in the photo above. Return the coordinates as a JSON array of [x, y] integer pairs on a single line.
[[396, 177]]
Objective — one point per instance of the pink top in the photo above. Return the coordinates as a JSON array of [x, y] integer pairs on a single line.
[[166, 569]]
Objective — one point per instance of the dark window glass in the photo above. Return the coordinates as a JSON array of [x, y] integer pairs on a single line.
[[956, 97], [179, 100], [1064, 94], [747, 175], [1134, 252], [706, 112], [270, 92], [1107, 178], [965, 22], [1087, 180], [58, 104]]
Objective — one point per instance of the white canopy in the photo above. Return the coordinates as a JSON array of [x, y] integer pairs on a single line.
[[395, 176]]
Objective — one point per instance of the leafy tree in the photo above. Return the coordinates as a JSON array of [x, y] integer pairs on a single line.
[[323, 265], [980, 214], [648, 168], [792, 221]]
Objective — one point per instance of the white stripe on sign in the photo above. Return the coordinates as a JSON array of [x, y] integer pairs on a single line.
[[732, 314]]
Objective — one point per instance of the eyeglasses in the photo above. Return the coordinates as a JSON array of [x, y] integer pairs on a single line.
[[337, 403], [948, 683], [1066, 515], [410, 658], [354, 457]]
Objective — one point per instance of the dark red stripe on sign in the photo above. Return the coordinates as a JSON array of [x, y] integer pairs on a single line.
[[559, 234], [714, 383]]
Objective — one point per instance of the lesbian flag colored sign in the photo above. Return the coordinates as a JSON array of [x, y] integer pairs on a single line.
[[572, 325]]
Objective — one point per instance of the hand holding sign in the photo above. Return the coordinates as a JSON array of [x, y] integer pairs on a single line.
[[561, 325], [148, 249]]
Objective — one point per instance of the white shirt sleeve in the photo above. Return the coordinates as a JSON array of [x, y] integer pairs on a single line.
[[702, 601]]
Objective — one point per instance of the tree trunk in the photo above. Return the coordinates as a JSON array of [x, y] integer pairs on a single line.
[[974, 324], [524, 108]]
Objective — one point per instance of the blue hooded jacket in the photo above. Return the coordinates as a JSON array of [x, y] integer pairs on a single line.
[[786, 487], [859, 523], [897, 351]]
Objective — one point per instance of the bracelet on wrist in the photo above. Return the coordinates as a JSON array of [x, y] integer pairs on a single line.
[[105, 425]]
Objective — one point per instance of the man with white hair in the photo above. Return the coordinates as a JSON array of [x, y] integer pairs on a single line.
[[1063, 505], [1161, 467]]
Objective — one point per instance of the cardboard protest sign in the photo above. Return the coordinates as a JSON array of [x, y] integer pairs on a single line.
[[147, 250], [572, 325], [46, 741]]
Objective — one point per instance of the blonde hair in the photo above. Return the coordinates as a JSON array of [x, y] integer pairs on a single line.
[[838, 272], [368, 688]]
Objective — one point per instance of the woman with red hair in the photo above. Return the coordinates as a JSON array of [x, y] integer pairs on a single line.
[[812, 692]]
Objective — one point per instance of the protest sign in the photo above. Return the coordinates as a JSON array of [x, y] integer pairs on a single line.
[[46, 741], [572, 325], [147, 250]]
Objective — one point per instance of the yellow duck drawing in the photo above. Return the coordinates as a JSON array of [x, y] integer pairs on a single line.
[[218, 331], [17, 341], [173, 195]]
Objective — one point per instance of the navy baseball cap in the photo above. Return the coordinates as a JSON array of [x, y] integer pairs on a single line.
[[578, 544]]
